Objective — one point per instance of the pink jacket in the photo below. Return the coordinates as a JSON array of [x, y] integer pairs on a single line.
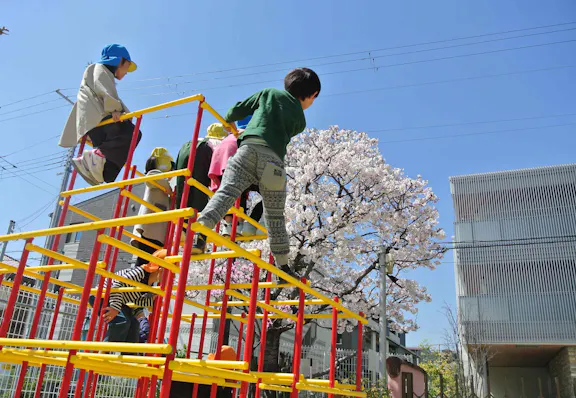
[[222, 153]]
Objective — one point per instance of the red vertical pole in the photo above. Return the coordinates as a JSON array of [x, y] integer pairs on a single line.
[[190, 335], [46, 279], [248, 348], [9, 310], [333, 346], [224, 309], [184, 264], [359, 356], [298, 343], [76, 334], [205, 318], [264, 330], [102, 325], [50, 337]]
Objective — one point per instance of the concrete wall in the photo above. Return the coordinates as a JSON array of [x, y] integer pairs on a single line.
[[520, 383], [563, 368]]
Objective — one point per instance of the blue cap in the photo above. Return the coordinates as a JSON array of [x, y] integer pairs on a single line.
[[112, 54], [242, 124]]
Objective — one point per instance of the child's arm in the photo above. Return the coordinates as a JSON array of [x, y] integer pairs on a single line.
[[145, 300], [105, 88], [244, 108], [117, 299]]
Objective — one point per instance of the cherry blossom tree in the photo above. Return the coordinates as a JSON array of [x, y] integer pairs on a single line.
[[345, 204]]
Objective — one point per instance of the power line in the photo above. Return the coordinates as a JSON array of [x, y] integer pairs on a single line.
[[26, 99], [472, 134], [28, 181], [370, 57], [35, 212], [353, 53], [30, 106], [59, 154], [20, 171], [34, 113], [31, 146]]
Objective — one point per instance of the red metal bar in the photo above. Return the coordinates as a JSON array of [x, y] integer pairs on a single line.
[[77, 332], [298, 342], [224, 307], [248, 348], [240, 336], [184, 264], [121, 206], [190, 335], [205, 318], [50, 337], [9, 310], [333, 347], [46, 280], [264, 330], [359, 356]]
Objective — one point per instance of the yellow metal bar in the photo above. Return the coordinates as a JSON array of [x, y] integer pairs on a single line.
[[272, 387], [119, 371], [209, 108], [141, 201], [15, 358], [102, 272], [322, 382], [214, 364], [124, 183], [269, 267], [201, 370], [210, 256], [198, 185], [262, 305], [140, 174], [261, 285], [281, 302], [177, 376], [26, 351], [89, 345], [123, 358], [128, 368], [38, 291], [55, 267], [125, 221], [140, 253], [328, 390], [155, 108], [38, 276], [124, 232]]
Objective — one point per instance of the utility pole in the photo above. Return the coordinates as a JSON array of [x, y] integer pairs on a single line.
[[5, 245], [386, 262], [57, 209]]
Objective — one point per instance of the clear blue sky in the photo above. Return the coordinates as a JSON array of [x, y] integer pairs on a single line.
[[50, 44]]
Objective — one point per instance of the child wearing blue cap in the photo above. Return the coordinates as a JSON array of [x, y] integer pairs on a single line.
[[98, 100]]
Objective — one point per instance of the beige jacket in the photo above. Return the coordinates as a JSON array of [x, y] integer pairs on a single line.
[[97, 98]]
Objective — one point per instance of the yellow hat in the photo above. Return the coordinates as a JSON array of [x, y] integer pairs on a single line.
[[163, 159], [216, 130]]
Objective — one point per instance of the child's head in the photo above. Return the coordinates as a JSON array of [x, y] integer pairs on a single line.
[[153, 269], [160, 159], [117, 57], [304, 84]]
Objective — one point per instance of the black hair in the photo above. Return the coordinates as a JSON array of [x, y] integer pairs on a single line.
[[302, 83], [114, 68]]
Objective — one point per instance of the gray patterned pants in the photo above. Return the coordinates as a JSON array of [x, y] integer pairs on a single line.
[[254, 164]]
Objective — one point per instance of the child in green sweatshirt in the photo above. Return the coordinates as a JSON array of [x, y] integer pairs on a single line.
[[278, 115]]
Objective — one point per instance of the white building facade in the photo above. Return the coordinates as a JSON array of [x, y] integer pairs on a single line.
[[516, 278]]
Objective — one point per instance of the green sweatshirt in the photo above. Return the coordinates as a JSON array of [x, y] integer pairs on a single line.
[[277, 117]]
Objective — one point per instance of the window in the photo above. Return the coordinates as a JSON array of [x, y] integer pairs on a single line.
[[339, 339], [73, 237]]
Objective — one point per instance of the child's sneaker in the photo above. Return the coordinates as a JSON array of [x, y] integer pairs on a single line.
[[225, 228], [287, 270], [248, 229], [78, 164], [199, 246], [95, 161]]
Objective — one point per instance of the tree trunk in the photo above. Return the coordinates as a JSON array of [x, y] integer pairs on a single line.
[[271, 357]]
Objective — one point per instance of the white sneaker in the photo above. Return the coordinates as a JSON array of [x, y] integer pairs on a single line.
[[248, 229], [78, 164], [95, 164], [225, 228]]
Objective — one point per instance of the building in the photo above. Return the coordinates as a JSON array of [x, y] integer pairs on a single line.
[[515, 268]]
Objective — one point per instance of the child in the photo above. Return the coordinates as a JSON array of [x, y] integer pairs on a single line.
[[123, 323], [278, 115], [220, 157], [97, 101], [159, 162], [204, 149]]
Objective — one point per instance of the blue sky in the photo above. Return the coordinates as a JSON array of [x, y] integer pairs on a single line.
[[50, 44]]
